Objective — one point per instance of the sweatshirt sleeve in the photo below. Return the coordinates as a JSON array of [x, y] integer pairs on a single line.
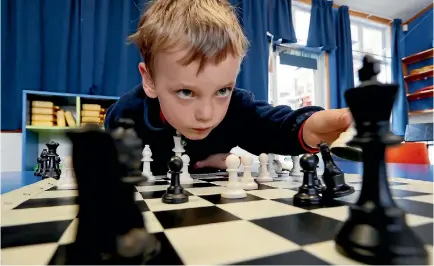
[[267, 129]]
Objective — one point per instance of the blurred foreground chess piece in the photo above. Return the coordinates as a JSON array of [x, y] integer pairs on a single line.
[[376, 231], [367, 76], [111, 229]]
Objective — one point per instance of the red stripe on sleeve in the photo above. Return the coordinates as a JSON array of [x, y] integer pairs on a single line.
[[303, 144]]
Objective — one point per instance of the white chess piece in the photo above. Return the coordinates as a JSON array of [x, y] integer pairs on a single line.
[[233, 189], [247, 181], [185, 177], [340, 148], [147, 159], [178, 148], [264, 176], [296, 169], [67, 178], [271, 166]]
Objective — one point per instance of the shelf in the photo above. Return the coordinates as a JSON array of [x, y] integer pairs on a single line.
[[418, 57], [421, 112], [419, 76], [53, 128], [421, 94]]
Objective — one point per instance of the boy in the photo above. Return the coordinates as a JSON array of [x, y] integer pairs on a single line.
[[192, 52]]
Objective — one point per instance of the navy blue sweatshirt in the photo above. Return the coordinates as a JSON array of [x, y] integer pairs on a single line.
[[253, 125]]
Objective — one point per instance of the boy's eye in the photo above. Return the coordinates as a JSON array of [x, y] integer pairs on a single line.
[[185, 93], [224, 91]]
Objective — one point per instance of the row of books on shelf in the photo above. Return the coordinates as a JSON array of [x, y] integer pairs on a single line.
[[46, 113]]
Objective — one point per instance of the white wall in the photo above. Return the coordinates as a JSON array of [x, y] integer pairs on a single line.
[[421, 118], [11, 146]]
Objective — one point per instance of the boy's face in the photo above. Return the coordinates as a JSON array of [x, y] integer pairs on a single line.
[[193, 103]]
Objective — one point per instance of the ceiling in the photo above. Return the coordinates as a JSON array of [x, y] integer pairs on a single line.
[[403, 9]]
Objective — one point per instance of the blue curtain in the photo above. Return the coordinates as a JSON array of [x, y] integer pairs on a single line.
[[108, 64], [400, 107], [280, 21], [341, 59], [254, 69], [321, 30], [40, 47]]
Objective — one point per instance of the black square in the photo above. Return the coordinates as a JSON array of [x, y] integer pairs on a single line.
[[298, 257], [218, 199], [425, 232], [31, 234], [193, 216], [333, 203], [200, 184], [56, 189], [214, 179], [406, 193], [48, 202], [302, 228], [415, 207], [143, 207], [157, 194]]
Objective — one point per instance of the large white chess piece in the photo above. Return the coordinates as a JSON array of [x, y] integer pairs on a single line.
[[247, 181], [264, 176], [233, 189], [185, 177], [340, 148], [67, 177], [147, 159]]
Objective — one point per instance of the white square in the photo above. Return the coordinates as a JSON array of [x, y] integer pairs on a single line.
[[138, 196], [152, 223], [70, 233], [339, 213], [202, 191], [416, 188], [39, 215], [416, 220], [249, 210], [226, 243], [283, 184], [327, 252], [193, 202], [151, 188], [273, 193], [28, 255]]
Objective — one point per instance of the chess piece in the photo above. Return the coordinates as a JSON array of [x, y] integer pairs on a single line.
[[264, 176], [307, 192], [53, 162], [67, 177], [123, 240], [42, 163], [271, 166], [147, 159], [333, 177], [376, 231], [175, 193], [340, 148], [234, 189], [185, 178], [247, 180], [178, 147], [296, 169]]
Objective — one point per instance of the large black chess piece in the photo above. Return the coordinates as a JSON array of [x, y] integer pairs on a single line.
[[308, 193], [333, 176], [53, 165], [376, 231], [175, 193], [111, 229]]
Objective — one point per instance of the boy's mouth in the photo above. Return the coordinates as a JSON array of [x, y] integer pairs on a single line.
[[201, 129]]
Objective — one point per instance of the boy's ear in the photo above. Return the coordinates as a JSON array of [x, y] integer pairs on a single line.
[[147, 83]]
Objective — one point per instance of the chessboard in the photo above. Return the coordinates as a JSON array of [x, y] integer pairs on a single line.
[[39, 222]]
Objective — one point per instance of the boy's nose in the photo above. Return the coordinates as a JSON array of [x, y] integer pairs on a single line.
[[204, 113]]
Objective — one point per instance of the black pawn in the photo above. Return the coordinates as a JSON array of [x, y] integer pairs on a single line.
[[376, 231], [175, 193], [333, 177], [41, 160], [308, 194]]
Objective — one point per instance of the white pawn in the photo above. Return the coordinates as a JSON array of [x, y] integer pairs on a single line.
[[247, 181], [233, 189], [185, 177], [67, 178], [271, 166], [264, 176], [296, 169], [147, 159]]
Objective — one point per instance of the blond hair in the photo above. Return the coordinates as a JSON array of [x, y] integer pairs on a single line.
[[208, 29]]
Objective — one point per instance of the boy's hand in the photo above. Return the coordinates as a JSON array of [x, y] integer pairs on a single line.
[[326, 126], [214, 161]]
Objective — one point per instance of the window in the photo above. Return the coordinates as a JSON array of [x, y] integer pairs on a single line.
[[373, 39], [301, 22]]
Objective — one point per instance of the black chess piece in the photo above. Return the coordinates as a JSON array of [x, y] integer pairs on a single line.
[[376, 231], [42, 163], [111, 229], [308, 194], [175, 193], [333, 176], [53, 164], [317, 181]]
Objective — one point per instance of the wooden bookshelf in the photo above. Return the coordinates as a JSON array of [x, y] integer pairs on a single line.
[[34, 136], [421, 97]]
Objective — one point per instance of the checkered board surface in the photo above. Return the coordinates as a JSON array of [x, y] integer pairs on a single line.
[[264, 228]]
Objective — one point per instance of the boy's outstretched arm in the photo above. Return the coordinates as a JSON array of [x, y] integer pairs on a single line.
[[282, 130]]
